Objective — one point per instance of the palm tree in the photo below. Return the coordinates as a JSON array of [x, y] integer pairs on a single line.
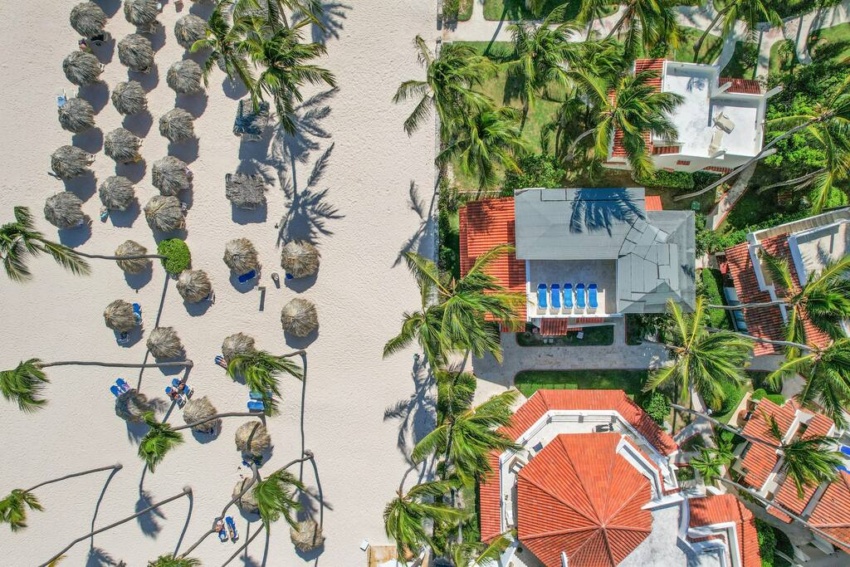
[[590, 10], [484, 143], [702, 361], [260, 370], [13, 508], [635, 108], [649, 23], [25, 382], [277, 497], [477, 553], [224, 40], [708, 465], [311, 10], [751, 12], [405, 516], [448, 86], [172, 561], [835, 115], [20, 239]]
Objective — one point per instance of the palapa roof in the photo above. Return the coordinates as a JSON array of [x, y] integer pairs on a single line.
[[177, 125], [241, 256], [70, 161], [307, 536], [117, 193], [132, 406], [163, 342], [193, 285], [185, 77], [129, 98], [239, 343], [164, 213], [119, 316], [196, 410], [189, 29], [260, 438], [248, 121], [64, 210], [135, 51], [87, 19], [299, 317], [76, 115], [245, 191], [300, 259], [133, 266], [247, 502], [140, 12], [82, 68], [122, 146], [171, 175]]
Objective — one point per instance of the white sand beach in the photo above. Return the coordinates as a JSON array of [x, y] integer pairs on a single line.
[[361, 291]]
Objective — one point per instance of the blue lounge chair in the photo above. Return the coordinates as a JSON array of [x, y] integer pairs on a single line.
[[592, 298], [846, 450], [231, 525], [185, 389], [247, 277], [61, 99], [123, 338], [580, 297], [255, 395], [222, 533], [219, 360], [568, 296], [542, 293], [255, 405], [556, 297], [122, 385], [137, 312], [115, 391]]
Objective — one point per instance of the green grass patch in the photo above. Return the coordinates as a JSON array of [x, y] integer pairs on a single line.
[[465, 11], [744, 61], [591, 336], [630, 381], [514, 10], [734, 395], [711, 47], [831, 44], [710, 284], [782, 57]]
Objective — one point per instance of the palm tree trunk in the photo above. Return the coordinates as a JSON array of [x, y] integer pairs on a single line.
[[676, 399], [698, 44], [187, 491], [183, 363], [619, 23], [756, 338], [748, 305], [116, 467], [725, 426], [571, 151], [245, 545], [219, 416], [102, 257], [795, 181]]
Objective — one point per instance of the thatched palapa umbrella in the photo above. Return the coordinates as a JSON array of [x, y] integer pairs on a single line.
[[245, 191], [140, 12], [240, 343], [308, 535], [70, 161], [247, 502], [189, 29], [64, 210], [132, 406], [76, 115], [177, 125], [241, 256], [119, 316], [299, 259], [199, 409], [117, 193], [122, 146], [134, 265], [82, 68], [136, 52], [184, 77], [163, 342], [194, 285], [164, 213], [171, 175], [87, 19], [299, 317], [257, 433], [129, 98]]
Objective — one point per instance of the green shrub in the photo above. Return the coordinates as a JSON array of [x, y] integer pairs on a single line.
[[667, 179], [177, 255], [657, 406], [709, 286], [451, 9], [767, 542], [777, 399], [536, 171], [732, 394]]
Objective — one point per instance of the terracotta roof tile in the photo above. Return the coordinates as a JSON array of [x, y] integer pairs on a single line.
[[832, 514], [580, 497], [489, 502], [741, 86], [760, 460], [657, 65], [653, 203], [725, 508]]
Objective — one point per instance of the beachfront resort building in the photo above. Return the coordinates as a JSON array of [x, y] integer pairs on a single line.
[[719, 122], [584, 256], [593, 483], [808, 245]]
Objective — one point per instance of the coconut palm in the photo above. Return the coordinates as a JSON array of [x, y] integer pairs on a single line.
[[190, 29], [171, 175], [750, 12], [136, 53], [164, 213], [261, 369], [274, 11], [70, 161], [184, 77], [76, 115], [172, 561], [122, 146], [88, 19], [476, 553], [277, 498], [648, 23], [708, 464], [19, 240], [484, 143], [223, 40], [117, 193], [448, 87], [129, 98], [64, 210], [82, 68], [405, 516], [701, 361], [177, 125], [25, 383], [13, 508]]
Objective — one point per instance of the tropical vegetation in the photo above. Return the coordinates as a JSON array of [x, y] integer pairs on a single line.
[[260, 370]]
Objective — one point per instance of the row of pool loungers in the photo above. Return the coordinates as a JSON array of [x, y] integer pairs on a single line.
[[583, 297]]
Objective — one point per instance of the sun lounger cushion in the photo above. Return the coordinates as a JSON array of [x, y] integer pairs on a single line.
[[580, 297], [115, 391], [556, 296], [255, 405], [592, 298], [542, 299], [568, 296], [247, 277]]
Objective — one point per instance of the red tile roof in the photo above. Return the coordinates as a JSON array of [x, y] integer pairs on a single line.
[[580, 497], [832, 514], [717, 169], [551, 326], [653, 203], [490, 502], [726, 508], [741, 86], [657, 65], [787, 494], [483, 226]]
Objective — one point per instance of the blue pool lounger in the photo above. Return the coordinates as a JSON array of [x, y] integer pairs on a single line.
[[592, 298], [542, 292], [231, 526], [556, 296], [568, 296], [115, 391], [255, 405], [247, 277], [580, 297]]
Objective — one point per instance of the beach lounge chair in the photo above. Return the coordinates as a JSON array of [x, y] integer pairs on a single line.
[[846, 450], [255, 395], [580, 297], [181, 401], [256, 405], [219, 360], [222, 530], [61, 99], [247, 277], [231, 526], [592, 298], [115, 391], [556, 297], [122, 385], [122, 338], [542, 300], [568, 296], [184, 389], [716, 142], [137, 313]]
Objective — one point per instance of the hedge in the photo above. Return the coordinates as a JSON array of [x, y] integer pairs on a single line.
[[668, 179], [657, 406], [535, 171], [177, 255], [777, 399], [710, 283]]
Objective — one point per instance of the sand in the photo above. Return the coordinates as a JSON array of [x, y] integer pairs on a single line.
[[361, 291]]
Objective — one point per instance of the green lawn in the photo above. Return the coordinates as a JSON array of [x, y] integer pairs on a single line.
[[744, 62], [630, 381], [465, 11], [592, 336], [685, 52], [832, 44]]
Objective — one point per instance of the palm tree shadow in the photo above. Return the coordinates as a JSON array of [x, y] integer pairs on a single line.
[[98, 557], [590, 213], [149, 523], [332, 19], [423, 238], [417, 415], [191, 497], [296, 146]]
